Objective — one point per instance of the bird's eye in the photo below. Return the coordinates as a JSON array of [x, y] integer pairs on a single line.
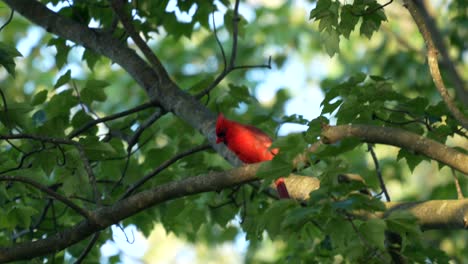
[[221, 134]]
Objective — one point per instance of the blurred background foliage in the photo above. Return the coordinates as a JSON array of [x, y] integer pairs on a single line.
[[374, 72]]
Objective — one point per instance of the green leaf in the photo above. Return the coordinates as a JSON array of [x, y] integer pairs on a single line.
[[373, 230], [176, 28], [60, 104], [341, 232], [202, 14], [331, 42], [329, 108], [297, 119], [299, 217], [357, 201], [7, 53], [17, 114], [91, 58], [65, 78], [39, 97], [274, 169], [229, 20], [240, 92], [341, 147], [94, 91], [273, 217], [95, 149], [403, 222], [62, 51], [290, 146], [315, 129], [201, 85], [348, 20], [320, 10], [412, 159], [21, 215], [80, 119], [74, 182]]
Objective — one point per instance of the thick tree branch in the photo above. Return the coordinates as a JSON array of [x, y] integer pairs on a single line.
[[119, 9], [422, 19], [106, 216], [434, 214], [438, 40], [158, 86], [399, 138]]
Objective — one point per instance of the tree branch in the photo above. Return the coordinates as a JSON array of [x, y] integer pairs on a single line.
[[49, 192], [450, 213], [119, 9], [158, 86], [434, 214], [421, 18], [111, 117], [162, 167], [399, 138], [231, 66], [459, 83]]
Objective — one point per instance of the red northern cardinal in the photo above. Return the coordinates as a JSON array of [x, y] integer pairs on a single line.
[[250, 144]]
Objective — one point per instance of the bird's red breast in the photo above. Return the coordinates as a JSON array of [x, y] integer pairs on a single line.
[[250, 144]]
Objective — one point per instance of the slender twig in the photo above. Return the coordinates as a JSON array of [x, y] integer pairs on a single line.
[[415, 8], [64, 157], [148, 122], [401, 123], [5, 105], [23, 158], [88, 248], [460, 195], [120, 226], [40, 138], [12, 12], [218, 41], [368, 12], [39, 220], [57, 141], [111, 117], [370, 148], [118, 7], [48, 191], [240, 67], [89, 171], [86, 108], [231, 66], [134, 139], [163, 166], [235, 34], [14, 146], [366, 243]]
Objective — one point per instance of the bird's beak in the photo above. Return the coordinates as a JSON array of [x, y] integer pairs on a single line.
[[219, 140]]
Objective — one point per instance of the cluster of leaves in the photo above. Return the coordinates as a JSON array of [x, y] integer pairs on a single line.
[[336, 19], [327, 226], [372, 99]]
